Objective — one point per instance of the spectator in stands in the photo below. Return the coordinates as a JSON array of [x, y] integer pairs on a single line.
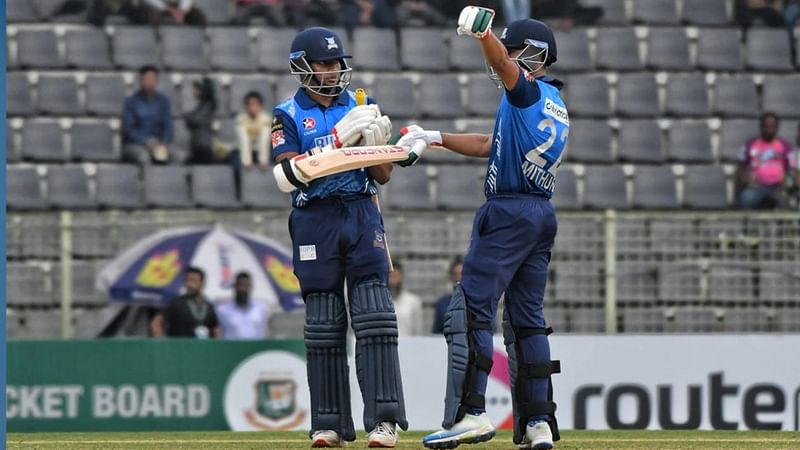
[[130, 9], [147, 122], [177, 11], [243, 318], [270, 10], [758, 13], [199, 122], [763, 166], [190, 315], [302, 12], [253, 134], [422, 13], [791, 14], [565, 13], [407, 306], [444, 301]]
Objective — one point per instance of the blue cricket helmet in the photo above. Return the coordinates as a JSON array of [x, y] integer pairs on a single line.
[[319, 44], [531, 33]]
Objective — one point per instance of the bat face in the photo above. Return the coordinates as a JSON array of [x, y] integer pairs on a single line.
[[348, 158]]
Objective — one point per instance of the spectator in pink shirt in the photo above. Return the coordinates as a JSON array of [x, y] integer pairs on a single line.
[[764, 164], [243, 318]]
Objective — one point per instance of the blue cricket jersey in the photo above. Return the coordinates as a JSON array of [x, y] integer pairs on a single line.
[[300, 124], [530, 136]]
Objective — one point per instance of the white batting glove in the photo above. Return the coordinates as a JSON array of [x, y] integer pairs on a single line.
[[377, 133], [417, 140], [347, 131], [475, 21]]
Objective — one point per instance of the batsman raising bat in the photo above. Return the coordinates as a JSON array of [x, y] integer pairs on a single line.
[[512, 237], [337, 234]]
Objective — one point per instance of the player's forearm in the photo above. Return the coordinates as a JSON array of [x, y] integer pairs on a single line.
[[475, 145], [496, 55], [382, 173]]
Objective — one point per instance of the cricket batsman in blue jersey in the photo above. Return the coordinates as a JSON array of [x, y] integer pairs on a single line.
[[512, 237], [337, 235]]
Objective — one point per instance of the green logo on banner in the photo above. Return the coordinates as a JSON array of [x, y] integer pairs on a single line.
[[276, 398]]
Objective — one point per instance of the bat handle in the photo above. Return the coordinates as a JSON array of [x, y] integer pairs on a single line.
[[361, 97]]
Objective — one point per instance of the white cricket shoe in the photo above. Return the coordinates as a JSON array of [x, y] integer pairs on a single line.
[[326, 439], [470, 430], [537, 437], [384, 435]]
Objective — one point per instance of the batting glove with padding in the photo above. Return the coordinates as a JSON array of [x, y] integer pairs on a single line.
[[347, 131], [377, 133], [475, 21], [417, 140]]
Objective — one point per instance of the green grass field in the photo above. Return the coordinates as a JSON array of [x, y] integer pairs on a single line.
[[662, 440]]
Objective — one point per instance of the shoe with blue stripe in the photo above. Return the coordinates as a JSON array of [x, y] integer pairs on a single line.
[[537, 436], [469, 430]]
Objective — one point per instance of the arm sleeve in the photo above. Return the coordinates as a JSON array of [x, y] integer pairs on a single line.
[[284, 134], [525, 93]]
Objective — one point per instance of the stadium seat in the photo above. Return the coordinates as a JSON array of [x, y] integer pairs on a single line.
[[118, 187], [589, 142], [375, 49], [704, 188], [617, 49], [88, 49], [30, 286], [58, 95], [464, 57], [410, 191], [21, 11], [68, 188], [216, 12], [134, 47], [719, 50], [787, 320], [655, 12], [733, 135], [241, 85], [668, 49], [604, 187], [105, 95], [259, 191], [93, 141], [423, 49], [230, 49], [692, 320], [182, 48], [482, 126], [573, 51], [23, 191], [640, 141], [43, 140], [613, 11], [768, 50], [483, 96], [38, 49], [705, 12], [213, 187], [637, 95], [459, 188], [588, 95], [587, 320], [12, 148], [735, 96], [687, 95], [167, 87], [226, 132], [577, 282], [19, 98], [396, 96], [636, 283], [642, 320], [440, 96], [166, 187], [731, 283], [579, 238], [745, 320], [286, 87], [83, 291], [273, 49], [782, 96], [565, 196], [689, 142], [680, 283], [654, 188], [779, 282]]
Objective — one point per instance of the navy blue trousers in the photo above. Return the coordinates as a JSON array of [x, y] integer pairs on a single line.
[[509, 251], [337, 238]]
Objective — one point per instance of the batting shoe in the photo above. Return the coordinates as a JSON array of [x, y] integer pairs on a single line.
[[383, 436], [537, 436], [326, 439], [470, 430]]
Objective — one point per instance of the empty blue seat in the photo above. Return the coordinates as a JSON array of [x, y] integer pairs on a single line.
[[43, 140], [68, 188], [134, 47], [166, 187], [38, 49], [213, 187], [22, 188], [118, 186], [88, 49]]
